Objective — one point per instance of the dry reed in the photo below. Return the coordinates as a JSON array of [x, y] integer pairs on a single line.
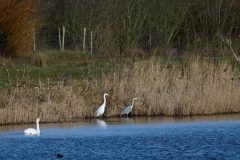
[[201, 88]]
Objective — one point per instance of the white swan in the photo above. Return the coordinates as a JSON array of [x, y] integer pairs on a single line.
[[128, 109], [101, 109], [32, 131]]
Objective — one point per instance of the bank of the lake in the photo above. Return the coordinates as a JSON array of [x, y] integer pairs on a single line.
[[68, 87]]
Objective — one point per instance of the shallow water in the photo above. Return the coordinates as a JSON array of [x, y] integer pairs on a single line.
[[215, 137]]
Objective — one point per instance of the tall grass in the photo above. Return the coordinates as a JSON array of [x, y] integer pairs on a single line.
[[200, 88]]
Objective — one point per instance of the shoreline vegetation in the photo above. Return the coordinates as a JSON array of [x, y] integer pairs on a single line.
[[57, 58], [166, 86]]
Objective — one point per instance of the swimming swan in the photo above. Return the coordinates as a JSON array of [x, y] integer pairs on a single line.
[[32, 131]]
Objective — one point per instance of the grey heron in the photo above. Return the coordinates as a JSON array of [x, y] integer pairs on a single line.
[[128, 109]]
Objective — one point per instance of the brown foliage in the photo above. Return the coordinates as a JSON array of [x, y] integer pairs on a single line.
[[16, 25]]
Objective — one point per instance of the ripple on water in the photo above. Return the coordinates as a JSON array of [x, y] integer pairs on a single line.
[[198, 140]]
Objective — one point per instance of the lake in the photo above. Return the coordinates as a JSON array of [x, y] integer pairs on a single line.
[[212, 137]]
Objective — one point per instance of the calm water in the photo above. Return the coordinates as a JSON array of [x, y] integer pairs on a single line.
[[144, 138]]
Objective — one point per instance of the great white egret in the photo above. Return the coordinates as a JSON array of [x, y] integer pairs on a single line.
[[128, 109], [32, 131], [101, 109]]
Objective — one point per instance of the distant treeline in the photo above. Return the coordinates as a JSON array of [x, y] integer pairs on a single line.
[[124, 26]]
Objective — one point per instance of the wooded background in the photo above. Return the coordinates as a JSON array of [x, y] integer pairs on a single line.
[[120, 26]]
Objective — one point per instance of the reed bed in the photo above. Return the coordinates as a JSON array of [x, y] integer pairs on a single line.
[[199, 88]]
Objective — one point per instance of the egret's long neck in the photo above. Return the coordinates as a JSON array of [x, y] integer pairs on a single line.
[[104, 102], [38, 129]]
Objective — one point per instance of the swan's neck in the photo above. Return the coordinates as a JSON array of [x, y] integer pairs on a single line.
[[38, 129]]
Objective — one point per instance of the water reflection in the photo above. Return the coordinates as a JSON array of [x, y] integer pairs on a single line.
[[130, 138], [101, 123], [122, 121], [127, 120]]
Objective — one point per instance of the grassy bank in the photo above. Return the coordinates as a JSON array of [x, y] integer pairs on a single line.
[[70, 86]]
